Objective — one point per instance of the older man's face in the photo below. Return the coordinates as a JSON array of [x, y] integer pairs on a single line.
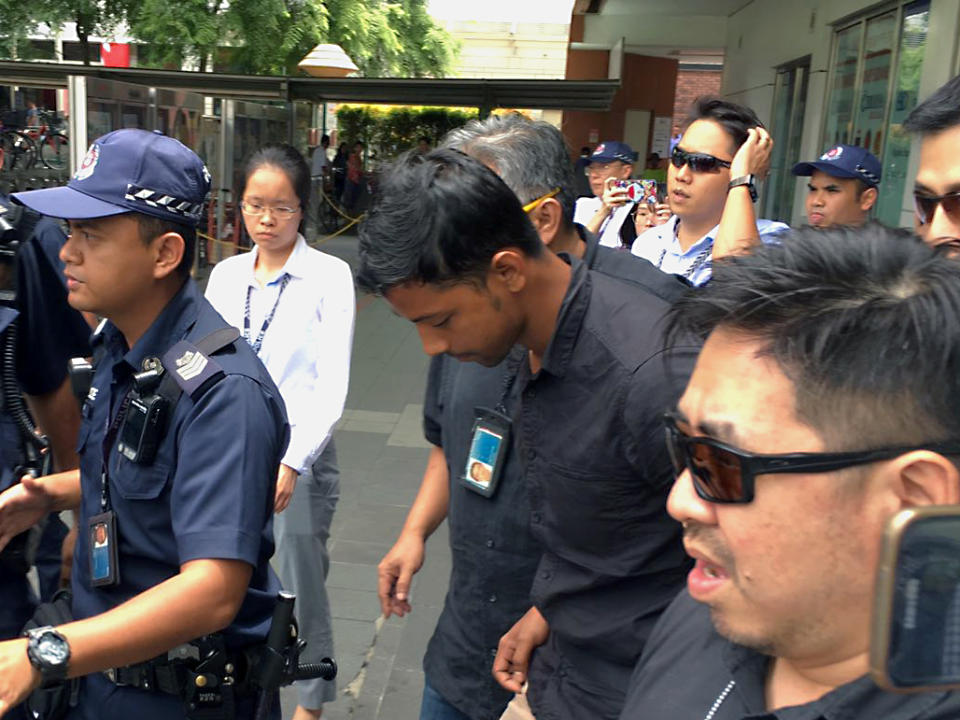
[[792, 572], [939, 174]]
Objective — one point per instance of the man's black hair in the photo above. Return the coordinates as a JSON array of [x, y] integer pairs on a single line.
[[424, 138], [864, 321], [938, 112], [439, 218], [733, 118], [585, 150], [152, 227]]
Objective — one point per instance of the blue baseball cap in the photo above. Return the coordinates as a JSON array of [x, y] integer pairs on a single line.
[[129, 171], [611, 150], [844, 161]]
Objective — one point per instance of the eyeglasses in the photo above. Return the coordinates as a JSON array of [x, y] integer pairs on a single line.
[[256, 210], [724, 474], [533, 204], [926, 205], [601, 168], [698, 162]]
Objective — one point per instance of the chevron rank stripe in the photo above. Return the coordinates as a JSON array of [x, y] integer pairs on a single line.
[[159, 200], [190, 365]]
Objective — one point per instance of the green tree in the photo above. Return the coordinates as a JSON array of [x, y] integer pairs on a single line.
[[384, 37], [19, 19]]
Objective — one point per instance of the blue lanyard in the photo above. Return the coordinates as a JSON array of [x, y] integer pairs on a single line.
[[256, 344]]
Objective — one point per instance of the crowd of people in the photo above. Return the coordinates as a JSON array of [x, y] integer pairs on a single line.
[[667, 435]]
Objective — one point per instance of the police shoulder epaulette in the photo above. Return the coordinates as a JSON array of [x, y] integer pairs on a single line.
[[191, 366]]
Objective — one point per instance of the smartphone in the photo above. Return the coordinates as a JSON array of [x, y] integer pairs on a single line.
[[915, 638], [634, 189]]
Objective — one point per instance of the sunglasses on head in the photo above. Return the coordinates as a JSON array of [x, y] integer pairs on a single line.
[[698, 162], [722, 473], [926, 205]]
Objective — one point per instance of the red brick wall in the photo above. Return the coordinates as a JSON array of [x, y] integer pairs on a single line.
[[691, 84], [647, 84]]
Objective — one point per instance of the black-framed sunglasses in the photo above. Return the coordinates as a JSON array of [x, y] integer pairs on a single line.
[[722, 473], [698, 162], [926, 205]]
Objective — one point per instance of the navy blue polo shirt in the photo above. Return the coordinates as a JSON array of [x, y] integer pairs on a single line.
[[687, 670], [208, 494]]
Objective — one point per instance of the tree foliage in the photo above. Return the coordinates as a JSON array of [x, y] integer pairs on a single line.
[[20, 19], [389, 131], [384, 37]]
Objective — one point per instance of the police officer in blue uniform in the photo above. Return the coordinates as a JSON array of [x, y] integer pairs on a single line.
[[182, 433]]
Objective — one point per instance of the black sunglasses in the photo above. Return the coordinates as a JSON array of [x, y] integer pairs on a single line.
[[926, 205], [722, 473], [698, 162]]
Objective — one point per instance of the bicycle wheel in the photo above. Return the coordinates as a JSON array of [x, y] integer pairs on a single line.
[[19, 151], [54, 152]]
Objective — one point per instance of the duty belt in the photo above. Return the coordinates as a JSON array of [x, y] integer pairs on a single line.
[[183, 671]]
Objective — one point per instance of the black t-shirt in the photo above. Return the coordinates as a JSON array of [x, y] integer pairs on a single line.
[[687, 670]]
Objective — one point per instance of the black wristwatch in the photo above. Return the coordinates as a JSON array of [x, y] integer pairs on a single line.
[[49, 652], [749, 181]]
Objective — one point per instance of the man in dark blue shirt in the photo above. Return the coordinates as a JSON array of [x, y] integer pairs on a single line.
[[823, 403], [46, 332], [467, 267], [175, 524], [495, 555]]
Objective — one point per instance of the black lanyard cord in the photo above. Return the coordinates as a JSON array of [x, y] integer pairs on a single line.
[[108, 439]]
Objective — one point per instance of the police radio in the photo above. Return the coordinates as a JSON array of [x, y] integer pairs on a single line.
[[146, 417]]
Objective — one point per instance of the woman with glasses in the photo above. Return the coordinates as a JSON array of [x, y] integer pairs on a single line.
[[295, 306]]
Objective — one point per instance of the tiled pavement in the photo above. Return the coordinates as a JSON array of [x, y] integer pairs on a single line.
[[382, 455]]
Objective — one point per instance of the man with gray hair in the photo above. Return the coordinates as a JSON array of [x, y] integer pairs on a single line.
[[495, 554]]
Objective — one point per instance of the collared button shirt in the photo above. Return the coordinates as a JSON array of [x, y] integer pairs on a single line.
[[307, 345], [590, 432], [661, 247], [687, 669], [209, 492], [495, 556], [609, 231]]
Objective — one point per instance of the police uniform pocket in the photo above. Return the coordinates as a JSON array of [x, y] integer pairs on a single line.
[[138, 482]]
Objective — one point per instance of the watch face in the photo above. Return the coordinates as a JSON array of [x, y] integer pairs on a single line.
[[53, 650]]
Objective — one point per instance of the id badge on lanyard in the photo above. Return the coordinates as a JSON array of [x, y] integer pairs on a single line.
[[489, 443]]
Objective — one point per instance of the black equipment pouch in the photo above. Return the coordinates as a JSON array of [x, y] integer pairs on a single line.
[[53, 703]]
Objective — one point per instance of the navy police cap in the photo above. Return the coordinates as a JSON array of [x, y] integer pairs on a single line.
[[129, 171], [845, 161], [611, 150]]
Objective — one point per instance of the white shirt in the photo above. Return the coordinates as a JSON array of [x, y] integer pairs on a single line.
[[320, 161], [661, 246], [306, 348], [587, 207]]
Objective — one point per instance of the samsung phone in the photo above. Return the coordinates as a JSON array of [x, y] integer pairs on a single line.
[[915, 639]]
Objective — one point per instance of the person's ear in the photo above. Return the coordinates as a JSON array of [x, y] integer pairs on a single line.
[[508, 268], [547, 219], [923, 477], [169, 249], [868, 198], [625, 171]]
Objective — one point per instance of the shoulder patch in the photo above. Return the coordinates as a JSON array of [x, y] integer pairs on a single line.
[[190, 367]]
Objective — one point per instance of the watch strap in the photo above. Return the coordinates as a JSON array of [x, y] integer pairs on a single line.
[[51, 674], [745, 180]]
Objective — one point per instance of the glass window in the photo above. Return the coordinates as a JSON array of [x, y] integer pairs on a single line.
[[876, 75], [789, 105], [840, 109], [896, 154], [874, 82]]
